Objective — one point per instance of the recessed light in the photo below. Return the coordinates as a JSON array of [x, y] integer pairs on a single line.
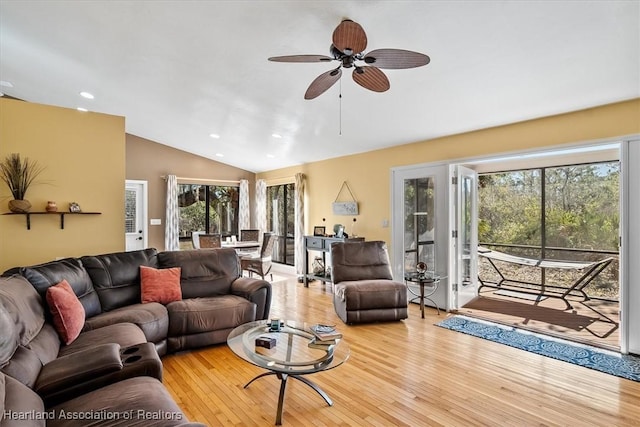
[[271, 156], [86, 95], [84, 110], [214, 135], [219, 155], [6, 83], [276, 135]]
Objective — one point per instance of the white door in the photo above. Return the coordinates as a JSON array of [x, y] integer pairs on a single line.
[[135, 214], [630, 248], [419, 220], [463, 216]]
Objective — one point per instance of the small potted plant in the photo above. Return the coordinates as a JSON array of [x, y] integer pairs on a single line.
[[19, 174]]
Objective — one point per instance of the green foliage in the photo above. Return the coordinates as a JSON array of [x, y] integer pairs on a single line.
[[581, 207]]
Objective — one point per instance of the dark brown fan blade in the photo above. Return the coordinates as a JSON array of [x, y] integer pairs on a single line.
[[323, 82], [349, 37], [301, 58], [371, 78], [396, 58]]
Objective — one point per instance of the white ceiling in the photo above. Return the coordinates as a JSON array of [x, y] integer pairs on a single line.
[[181, 70]]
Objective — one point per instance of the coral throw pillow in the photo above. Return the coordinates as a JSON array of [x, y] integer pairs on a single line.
[[160, 285], [67, 311]]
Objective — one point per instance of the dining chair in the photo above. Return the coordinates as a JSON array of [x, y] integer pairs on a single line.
[[260, 263], [249, 235], [210, 241], [195, 238]]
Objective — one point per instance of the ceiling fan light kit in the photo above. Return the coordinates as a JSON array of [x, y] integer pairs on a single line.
[[349, 44]]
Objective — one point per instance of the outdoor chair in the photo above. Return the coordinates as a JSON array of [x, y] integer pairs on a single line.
[[589, 269]]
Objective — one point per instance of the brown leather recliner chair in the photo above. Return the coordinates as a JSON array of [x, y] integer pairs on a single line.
[[364, 289]]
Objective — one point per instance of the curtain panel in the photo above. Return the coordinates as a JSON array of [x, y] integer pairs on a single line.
[[244, 215], [299, 253], [172, 216], [261, 206]]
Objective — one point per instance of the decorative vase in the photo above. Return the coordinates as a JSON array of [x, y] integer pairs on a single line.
[[51, 206], [19, 206]]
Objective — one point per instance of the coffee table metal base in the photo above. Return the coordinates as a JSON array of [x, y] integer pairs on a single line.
[[283, 385]]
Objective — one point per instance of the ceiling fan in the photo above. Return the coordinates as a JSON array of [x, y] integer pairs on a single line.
[[349, 43]]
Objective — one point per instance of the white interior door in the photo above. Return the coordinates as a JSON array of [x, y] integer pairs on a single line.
[[419, 221], [463, 264], [135, 213]]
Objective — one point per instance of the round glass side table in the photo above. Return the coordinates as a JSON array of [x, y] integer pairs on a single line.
[[427, 280]]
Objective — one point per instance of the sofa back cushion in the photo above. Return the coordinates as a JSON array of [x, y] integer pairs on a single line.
[[26, 341], [70, 269], [24, 306], [9, 339], [360, 261], [116, 276], [204, 272]]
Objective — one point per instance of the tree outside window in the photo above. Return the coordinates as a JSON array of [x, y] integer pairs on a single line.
[[209, 208]]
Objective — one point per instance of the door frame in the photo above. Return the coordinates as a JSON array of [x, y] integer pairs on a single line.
[[145, 208], [441, 237], [629, 331]]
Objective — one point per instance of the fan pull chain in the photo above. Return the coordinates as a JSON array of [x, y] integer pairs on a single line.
[[340, 109]]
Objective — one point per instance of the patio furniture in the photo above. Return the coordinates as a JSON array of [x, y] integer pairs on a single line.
[[591, 270]]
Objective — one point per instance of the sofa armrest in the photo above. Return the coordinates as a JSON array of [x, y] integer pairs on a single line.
[[257, 291], [82, 366]]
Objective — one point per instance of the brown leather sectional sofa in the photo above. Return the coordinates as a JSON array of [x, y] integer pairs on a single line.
[[112, 371]]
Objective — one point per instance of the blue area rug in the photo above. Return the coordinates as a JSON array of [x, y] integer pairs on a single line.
[[590, 357]]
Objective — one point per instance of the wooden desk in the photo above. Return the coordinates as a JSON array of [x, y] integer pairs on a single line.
[[321, 244]]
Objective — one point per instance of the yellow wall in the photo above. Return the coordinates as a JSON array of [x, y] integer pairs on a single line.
[[84, 159], [368, 174]]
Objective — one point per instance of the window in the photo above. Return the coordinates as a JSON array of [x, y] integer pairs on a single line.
[[419, 222], [209, 208], [281, 221], [567, 212]]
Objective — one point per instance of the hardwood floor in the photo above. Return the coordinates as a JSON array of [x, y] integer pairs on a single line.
[[407, 373]]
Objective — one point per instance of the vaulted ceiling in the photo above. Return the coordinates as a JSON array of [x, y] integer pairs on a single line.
[[180, 71]]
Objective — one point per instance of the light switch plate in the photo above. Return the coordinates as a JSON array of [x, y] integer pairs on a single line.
[[155, 221]]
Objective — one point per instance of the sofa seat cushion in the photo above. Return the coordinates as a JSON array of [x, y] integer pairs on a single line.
[[375, 300], [197, 315], [370, 294], [141, 398], [152, 318], [125, 334]]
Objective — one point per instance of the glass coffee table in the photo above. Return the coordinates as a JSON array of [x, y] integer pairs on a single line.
[[291, 355]]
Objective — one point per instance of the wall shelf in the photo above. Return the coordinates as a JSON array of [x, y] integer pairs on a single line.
[[61, 214]]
